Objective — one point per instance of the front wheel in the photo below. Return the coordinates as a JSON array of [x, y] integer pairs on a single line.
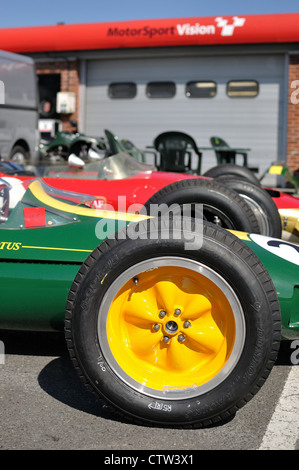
[[19, 155], [173, 337]]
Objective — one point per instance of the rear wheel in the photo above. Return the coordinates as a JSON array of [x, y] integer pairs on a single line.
[[221, 172], [220, 205], [173, 337], [262, 205]]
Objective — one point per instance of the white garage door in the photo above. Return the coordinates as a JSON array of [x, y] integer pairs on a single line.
[[149, 96]]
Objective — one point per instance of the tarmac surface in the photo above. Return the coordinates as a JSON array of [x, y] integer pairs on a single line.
[[44, 406]]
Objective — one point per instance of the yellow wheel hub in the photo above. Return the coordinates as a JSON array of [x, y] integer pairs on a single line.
[[170, 328]]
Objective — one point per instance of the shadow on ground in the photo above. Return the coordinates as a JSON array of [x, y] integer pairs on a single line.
[[59, 378]]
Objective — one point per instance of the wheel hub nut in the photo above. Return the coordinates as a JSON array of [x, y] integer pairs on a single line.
[[181, 338], [171, 327], [162, 314]]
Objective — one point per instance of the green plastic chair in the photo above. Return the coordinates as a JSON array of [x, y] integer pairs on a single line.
[[176, 149], [224, 156]]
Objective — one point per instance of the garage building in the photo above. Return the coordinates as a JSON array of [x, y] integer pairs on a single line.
[[232, 77]]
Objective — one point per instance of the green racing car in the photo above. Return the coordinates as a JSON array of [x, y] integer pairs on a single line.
[[173, 322]]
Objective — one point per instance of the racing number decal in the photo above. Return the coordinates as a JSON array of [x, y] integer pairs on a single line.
[[285, 250]]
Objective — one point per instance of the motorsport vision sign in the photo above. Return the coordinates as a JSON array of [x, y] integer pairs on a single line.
[[181, 29], [219, 30]]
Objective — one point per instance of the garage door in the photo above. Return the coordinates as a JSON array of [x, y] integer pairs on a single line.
[[238, 98]]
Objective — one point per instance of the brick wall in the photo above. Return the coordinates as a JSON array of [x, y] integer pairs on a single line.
[[69, 72], [293, 114]]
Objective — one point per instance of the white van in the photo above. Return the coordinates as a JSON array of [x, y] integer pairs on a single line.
[[19, 136]]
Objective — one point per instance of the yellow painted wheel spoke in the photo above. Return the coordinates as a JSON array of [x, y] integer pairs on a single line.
[[143, 342], [168, 294], [196, 305], [174, 328], [206, 336], [141, 309], [180, 357]]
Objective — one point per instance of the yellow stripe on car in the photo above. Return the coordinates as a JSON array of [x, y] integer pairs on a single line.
[[38, 191], [55, 248]]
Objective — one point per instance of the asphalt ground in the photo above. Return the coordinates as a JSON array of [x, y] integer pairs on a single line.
[[44, 406]]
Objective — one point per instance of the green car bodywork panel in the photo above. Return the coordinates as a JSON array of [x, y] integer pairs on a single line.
[[281, 259], [39, 263]]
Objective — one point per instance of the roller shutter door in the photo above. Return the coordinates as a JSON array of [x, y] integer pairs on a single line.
[[254, 122]]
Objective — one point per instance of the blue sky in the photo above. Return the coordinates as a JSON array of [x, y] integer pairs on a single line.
[[35, 13]]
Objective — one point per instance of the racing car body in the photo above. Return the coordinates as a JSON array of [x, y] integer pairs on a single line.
[[108, 178], [66, 143], [139, 182], [50, 229], [122, 183], [281, 259], [288, 207], [160, 330], [48, 234]]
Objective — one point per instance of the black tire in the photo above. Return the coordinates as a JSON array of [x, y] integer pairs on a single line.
[[221, 205], [221, 172], [62, 152], [261, 203], [19, 154], [123, 269]]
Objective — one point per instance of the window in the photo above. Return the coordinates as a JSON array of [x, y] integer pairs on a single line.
[[201, 89], [122, 90], [160, 90], [242, 89]]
